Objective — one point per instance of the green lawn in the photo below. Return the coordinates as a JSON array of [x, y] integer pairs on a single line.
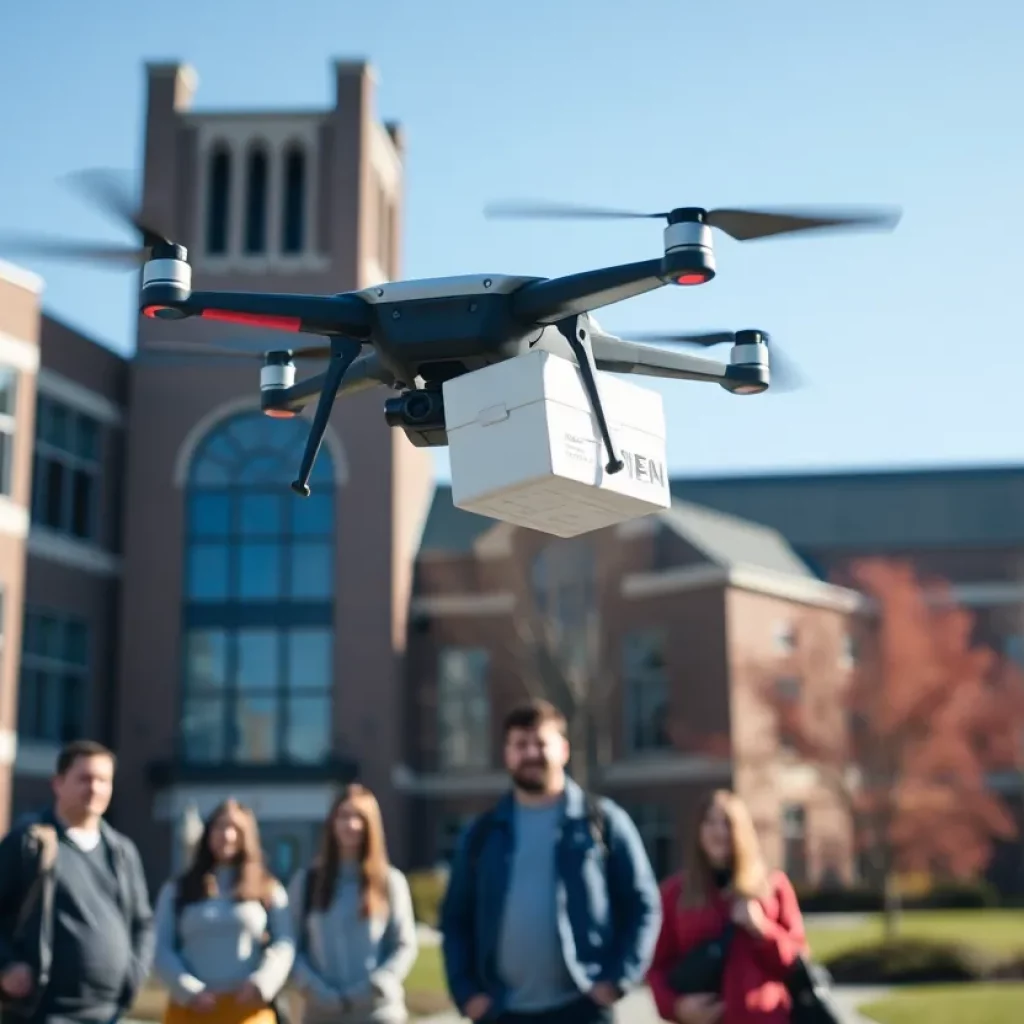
[[1001, 931], [951, 1004]]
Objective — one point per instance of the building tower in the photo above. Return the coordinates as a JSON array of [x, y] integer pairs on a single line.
[[262, 634]]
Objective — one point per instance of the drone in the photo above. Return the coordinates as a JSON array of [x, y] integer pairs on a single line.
[[413, 336]]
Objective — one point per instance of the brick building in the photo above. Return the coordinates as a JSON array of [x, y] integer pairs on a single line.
[[162, 590]]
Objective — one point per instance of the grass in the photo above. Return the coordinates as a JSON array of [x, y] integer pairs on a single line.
[[425, 990], [996, 931], [951, 1004]]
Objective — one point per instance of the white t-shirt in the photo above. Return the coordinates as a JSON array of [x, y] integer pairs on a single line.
[[86, 839]]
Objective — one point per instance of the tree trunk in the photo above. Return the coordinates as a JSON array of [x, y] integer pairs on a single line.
[[891, 913], [579, 748]]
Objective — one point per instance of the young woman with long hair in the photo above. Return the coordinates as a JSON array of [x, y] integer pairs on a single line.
[[356, 933], [726, 882], [224, 944]]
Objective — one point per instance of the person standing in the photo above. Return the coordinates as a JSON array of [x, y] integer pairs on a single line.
[[77, 940], [551, 913], [224, 944], [727, 892], [354, 919]]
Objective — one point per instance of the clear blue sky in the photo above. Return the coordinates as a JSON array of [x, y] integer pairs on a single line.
[[911, 341]]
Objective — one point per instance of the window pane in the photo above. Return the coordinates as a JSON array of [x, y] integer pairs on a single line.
[[202, 729], [254, 729], [87, 438], [57, 425], [28, 703], [313, 515], [6, 459], [258, 659], [205, 660], [259, 571], [53, 511], [310, 654], [51, 707], [82, 496], [8, 384], [261, 514], [72, 707], [209, 514], [208, 572], [51, 638], [308, 735], [76, 643], [312, 570]]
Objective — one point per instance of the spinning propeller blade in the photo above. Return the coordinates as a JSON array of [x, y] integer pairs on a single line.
[[109, 191], [235, 349], [743, 225], [785, 376]]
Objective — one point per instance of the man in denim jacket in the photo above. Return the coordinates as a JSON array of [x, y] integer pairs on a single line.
[[552, 911]]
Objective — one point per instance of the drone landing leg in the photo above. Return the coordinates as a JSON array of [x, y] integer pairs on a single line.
[[575, 334], [343, 353]]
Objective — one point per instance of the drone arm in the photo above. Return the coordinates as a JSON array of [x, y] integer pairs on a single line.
[[618, 356], [312, 314], [547, 301], [365, 373]]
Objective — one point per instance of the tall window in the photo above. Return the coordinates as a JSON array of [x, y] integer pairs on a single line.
[[794, 842], [256, 202], [8, 401], [294, 219], [464, 708], [646, 690], [564, 586], [259, 599], [53, 695], [218, 201], [65, 480], [656, 826]]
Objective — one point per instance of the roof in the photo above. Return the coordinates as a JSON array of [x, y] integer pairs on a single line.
[[733, 542], [871, 511], [879, 511]]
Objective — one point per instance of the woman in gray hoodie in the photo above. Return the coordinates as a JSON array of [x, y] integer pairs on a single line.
[[224, 944], [353, 921]]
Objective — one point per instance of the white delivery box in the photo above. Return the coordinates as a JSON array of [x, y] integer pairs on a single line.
[[525, 447]]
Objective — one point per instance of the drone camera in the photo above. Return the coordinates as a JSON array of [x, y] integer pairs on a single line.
[[166, 279], [689, 253], [420, 414]]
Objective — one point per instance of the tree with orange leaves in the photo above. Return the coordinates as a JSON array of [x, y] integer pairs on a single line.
[[927, 714]]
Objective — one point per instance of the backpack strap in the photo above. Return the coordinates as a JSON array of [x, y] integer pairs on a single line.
[[598, 821], [41, 844], [478, 833]]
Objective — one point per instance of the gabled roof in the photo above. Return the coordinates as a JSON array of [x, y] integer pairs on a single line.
[[877, 512], [732, 542], [887, 510]]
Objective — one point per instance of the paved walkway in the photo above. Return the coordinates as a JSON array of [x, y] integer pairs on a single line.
[[638, 1007]]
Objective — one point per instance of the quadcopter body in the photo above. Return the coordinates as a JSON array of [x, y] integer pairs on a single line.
[[414, 336]]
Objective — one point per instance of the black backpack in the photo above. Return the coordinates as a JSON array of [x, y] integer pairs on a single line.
[[481, 828]]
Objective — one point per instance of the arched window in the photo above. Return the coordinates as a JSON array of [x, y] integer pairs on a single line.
[[256, 202], [258, 598], [294, 219], [218, 203]]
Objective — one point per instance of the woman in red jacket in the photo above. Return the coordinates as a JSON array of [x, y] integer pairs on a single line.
[[727, 881]]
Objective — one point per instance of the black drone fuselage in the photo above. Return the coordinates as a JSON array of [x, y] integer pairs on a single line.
[[413, 336]]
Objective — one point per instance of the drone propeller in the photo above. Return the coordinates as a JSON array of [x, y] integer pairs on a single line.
[[785, 376], [233, 349], [110, 192], [743, 225]]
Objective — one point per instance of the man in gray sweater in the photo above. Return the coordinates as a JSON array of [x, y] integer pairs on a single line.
[[76, 933]]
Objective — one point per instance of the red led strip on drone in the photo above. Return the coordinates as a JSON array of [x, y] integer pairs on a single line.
[[280, 323]]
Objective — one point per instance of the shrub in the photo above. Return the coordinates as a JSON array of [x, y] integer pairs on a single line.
[[914, 961], [428, 889], [861, 899]]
